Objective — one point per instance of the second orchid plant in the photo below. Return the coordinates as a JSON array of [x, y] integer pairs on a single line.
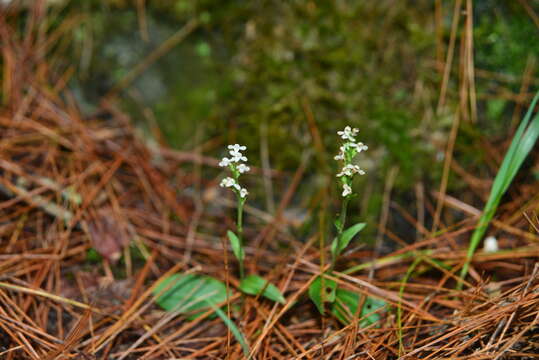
[[323, 289]]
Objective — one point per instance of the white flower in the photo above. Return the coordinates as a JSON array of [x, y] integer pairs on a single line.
[[359, 146], [347, 190], [237, 147], [350, 170], [237, 157], [228, 182], [243, 193], [340, 156], [225, 162], [491, 244], [235, 151], [348, 133], [242, 168]]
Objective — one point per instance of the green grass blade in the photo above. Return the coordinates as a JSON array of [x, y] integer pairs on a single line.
[[233, 329], [399, 305], [523, 141]]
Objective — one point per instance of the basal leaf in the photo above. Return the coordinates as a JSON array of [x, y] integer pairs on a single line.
[[345, 307], [322, 290], [254, 285], [187, 293]]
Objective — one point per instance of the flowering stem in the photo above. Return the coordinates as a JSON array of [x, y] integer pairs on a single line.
[[240, 230], [237, 167], [340, 228]]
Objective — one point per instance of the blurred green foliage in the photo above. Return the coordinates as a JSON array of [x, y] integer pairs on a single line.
[[369, 64], [348, 62]]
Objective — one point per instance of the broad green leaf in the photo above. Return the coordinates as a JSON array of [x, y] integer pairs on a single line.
[[187, 293], [340, 243], [345, 307], [254, 285], [235, 242], [322, 290]]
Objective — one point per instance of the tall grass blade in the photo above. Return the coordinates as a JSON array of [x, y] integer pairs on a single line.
[[233, 329], [523, 141]]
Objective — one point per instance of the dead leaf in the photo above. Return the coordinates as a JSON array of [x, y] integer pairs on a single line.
[[107, 234]]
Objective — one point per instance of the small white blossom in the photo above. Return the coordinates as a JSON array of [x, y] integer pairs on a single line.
[[228, 182], [235, 151], [242, 168], [350, 170], [348, 134], [237, 157], [237, 147], [225, 162], [491, 244], [347, 190], [243, 193], [358, 146], [340, 156]]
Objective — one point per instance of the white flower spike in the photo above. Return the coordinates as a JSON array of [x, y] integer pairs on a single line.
[[234, 163], [347, 152]]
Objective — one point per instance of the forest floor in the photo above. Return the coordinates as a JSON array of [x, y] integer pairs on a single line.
[[91, 218]]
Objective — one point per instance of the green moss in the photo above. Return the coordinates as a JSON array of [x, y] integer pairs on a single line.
[[366, 64]]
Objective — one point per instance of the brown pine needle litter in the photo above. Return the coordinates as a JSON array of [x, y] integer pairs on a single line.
[[72, 187]]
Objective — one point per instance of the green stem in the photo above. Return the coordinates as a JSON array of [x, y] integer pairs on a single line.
[[240, 232], [342, 221]]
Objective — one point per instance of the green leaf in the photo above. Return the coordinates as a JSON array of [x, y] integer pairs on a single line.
[[233, 329], [187, 293], [523, 142], [235, 242], [254, 285], [93, 256], [340, 243], [192, 292], [345, 307], [337, 223], [322, 290]]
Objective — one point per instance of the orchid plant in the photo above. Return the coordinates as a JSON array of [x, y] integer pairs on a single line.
[[347, 153], [252, 284], [237, 168], [323, 289]]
